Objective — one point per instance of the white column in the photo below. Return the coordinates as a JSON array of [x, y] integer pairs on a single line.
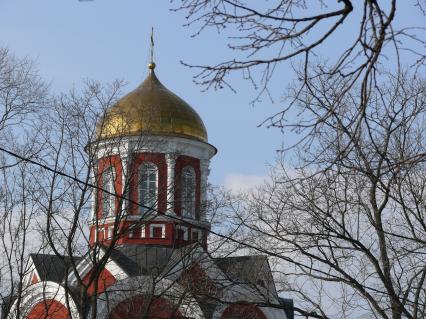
[[124, 151], [171, 161], [125, 182], [94, 196], [205, 171]]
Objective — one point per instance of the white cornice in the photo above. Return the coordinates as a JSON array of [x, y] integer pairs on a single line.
[[154, 144]]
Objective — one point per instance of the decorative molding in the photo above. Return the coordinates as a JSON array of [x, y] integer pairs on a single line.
[[41, 291], [155, 144]]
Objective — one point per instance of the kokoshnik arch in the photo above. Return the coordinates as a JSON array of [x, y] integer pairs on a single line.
[[152, 162]]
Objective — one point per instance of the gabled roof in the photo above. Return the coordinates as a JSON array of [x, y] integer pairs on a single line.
[[129, 266], [52, 267], [244, 268], [136, 260], [148, 259]]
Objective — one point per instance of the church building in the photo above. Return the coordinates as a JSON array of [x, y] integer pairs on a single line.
[[148, 254]]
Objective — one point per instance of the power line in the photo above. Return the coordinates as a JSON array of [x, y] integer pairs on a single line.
[[176, 218]]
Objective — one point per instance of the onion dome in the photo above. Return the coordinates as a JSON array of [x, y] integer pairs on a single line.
[[151, 109]]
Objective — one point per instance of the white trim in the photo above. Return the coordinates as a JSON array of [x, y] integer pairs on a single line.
[[83, 268], [44, 290], [163, 230], [155, 144], [204, 172], [86, 265], [159, 218], [116, 271], [143, 231], [29, 273], [143, 285], [195, 253], [124, 157], [171, 163]]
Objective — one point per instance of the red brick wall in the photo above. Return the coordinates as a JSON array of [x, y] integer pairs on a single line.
[[49, 309], [105, 280]]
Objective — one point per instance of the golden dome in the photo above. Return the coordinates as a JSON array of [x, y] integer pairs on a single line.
[[151, 108]]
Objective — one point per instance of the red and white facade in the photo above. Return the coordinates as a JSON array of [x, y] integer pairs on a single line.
[[166, 222], [149, 219]]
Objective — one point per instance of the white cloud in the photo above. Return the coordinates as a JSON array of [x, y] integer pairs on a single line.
[[242, 183]]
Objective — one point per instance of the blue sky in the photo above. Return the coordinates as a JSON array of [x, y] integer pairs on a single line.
[[106, 40]]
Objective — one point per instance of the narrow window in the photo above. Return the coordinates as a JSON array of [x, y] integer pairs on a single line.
[[179, 234], [108, 198], [110, 232], [188, 192], [147, 192], [157, 231], [195, 235], [143, 234], [182, 232]]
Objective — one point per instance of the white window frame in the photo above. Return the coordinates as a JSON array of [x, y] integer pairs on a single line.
[[188, 175], [163, 230], [149, 166], [96, 233]]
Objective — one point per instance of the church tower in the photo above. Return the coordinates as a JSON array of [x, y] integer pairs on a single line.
[[147, 255], [152, 165]]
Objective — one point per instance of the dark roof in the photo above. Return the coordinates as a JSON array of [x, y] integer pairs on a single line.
[[52, 267], [127, 264], [244, 268], [148, 259]]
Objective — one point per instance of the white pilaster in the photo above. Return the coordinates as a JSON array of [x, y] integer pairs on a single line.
[[204, 171], [171, 162], [125, 162]]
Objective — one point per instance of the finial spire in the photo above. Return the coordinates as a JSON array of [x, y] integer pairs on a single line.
[[151, 64]]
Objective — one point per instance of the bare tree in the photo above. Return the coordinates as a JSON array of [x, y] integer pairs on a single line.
[[346, 224], [363, 36], [22, 94], [59, 175]]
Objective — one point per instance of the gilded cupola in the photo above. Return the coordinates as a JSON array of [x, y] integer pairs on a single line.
[[151, 109]]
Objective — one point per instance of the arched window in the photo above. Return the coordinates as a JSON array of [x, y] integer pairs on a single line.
[[108, 198], [188, 192], [148, 184]]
